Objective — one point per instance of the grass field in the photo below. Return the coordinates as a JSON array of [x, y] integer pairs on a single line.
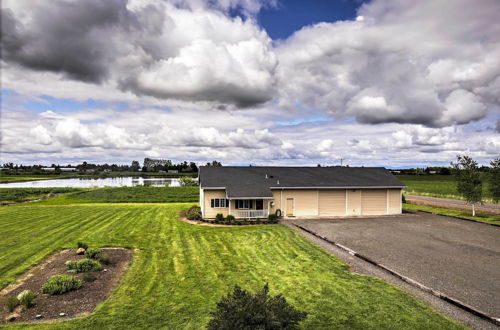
[[435, 186], [21, 178], [180, 270], [138, 194], [481, 217], [19, 195]]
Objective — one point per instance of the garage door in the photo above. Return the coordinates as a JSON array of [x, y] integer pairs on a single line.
[[374, 201], [332, 202]]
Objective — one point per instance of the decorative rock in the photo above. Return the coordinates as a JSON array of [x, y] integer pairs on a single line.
[[80, 251], [39, 316], [62, 314], [12, 317], [105, 270]]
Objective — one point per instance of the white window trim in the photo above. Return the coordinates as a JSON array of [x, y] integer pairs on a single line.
[[219, 207]]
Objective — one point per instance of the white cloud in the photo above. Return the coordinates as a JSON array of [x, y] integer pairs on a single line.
[[403, 62]]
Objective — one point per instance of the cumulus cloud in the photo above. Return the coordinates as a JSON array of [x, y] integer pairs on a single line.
[[434, 63], [156, 48]]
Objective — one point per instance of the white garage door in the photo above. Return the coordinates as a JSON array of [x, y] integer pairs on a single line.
[[374, 201], [331, 202]]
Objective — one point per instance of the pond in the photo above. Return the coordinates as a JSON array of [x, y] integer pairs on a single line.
[[128, 181]]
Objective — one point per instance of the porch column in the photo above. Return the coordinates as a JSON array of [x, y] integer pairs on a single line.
[[229, 212]]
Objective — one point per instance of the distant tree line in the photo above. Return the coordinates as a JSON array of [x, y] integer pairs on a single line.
[[439, 170], [155, 165], [149, 165]]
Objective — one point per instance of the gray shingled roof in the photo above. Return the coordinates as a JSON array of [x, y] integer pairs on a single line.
[[242, 181]]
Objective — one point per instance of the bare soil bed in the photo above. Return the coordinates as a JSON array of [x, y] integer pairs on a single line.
[[74, 303]]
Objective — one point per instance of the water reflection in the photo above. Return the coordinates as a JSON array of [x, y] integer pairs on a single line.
[[100, 182]]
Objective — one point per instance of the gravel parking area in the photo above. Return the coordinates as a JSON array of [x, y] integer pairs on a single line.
[[459, 258]]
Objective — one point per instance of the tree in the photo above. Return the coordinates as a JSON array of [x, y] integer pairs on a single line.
[[494, 178], [245, 310], [468, 179], [135, 166]]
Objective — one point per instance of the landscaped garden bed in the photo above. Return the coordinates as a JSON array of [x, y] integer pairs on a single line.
[[88, 279], [193, 215]]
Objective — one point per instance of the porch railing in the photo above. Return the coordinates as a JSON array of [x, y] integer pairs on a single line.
[[250, 213]]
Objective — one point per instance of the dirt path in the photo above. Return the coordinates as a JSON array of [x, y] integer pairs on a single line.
[[452, 204]]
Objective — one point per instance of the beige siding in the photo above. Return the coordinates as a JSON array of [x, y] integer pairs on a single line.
[[332, 202], [305, 201], [353, 202], [394, 201], [209, 211], [374, 201], [276, 201]]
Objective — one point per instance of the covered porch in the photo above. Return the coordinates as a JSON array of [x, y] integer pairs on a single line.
[[249, 208]]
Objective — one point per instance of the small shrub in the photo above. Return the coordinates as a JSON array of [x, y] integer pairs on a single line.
[[245, 310], [219, 217], [89, 277], [186, 181], [230, 217], [82, 245], [105, 260], [272, 218], [60, 284], [94, 253], [194, 213], [26, 298], [84, 266], [11, 303]]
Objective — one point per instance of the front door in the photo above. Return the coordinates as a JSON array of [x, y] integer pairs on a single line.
[[289, 207], [259, 204]]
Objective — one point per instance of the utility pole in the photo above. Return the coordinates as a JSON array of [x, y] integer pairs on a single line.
[[341, 159]]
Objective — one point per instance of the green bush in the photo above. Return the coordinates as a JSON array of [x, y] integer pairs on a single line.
[[186, 181], [94, 253], [219, 217], [245, 310], [60, 284], [11, 303], [26, 298], [272, 218], [89, 277], [230, 217], [82, 245], [194, 213], [84, 266]]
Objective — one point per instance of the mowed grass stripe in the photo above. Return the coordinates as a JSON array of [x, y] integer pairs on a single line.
[[180, 271]]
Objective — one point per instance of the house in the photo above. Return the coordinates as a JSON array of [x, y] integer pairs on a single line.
[[255, 192]]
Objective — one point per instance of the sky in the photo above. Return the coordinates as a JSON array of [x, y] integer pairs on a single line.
[[261, 82]]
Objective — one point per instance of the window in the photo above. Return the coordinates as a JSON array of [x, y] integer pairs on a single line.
[[219, 202], [244, 204]]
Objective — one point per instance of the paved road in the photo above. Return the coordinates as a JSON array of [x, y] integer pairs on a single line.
[[452, 203], [459, 258]]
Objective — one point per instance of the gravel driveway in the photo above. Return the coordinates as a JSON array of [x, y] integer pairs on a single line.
[[459, 258]]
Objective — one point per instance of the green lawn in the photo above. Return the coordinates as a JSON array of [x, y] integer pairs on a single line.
[[436, 186], [180, 270], [481, 217], [137, 194], [21, 178], [18, 195]]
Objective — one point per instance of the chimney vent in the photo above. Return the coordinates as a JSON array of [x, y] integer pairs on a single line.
[[266, 175], [278, 182]]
